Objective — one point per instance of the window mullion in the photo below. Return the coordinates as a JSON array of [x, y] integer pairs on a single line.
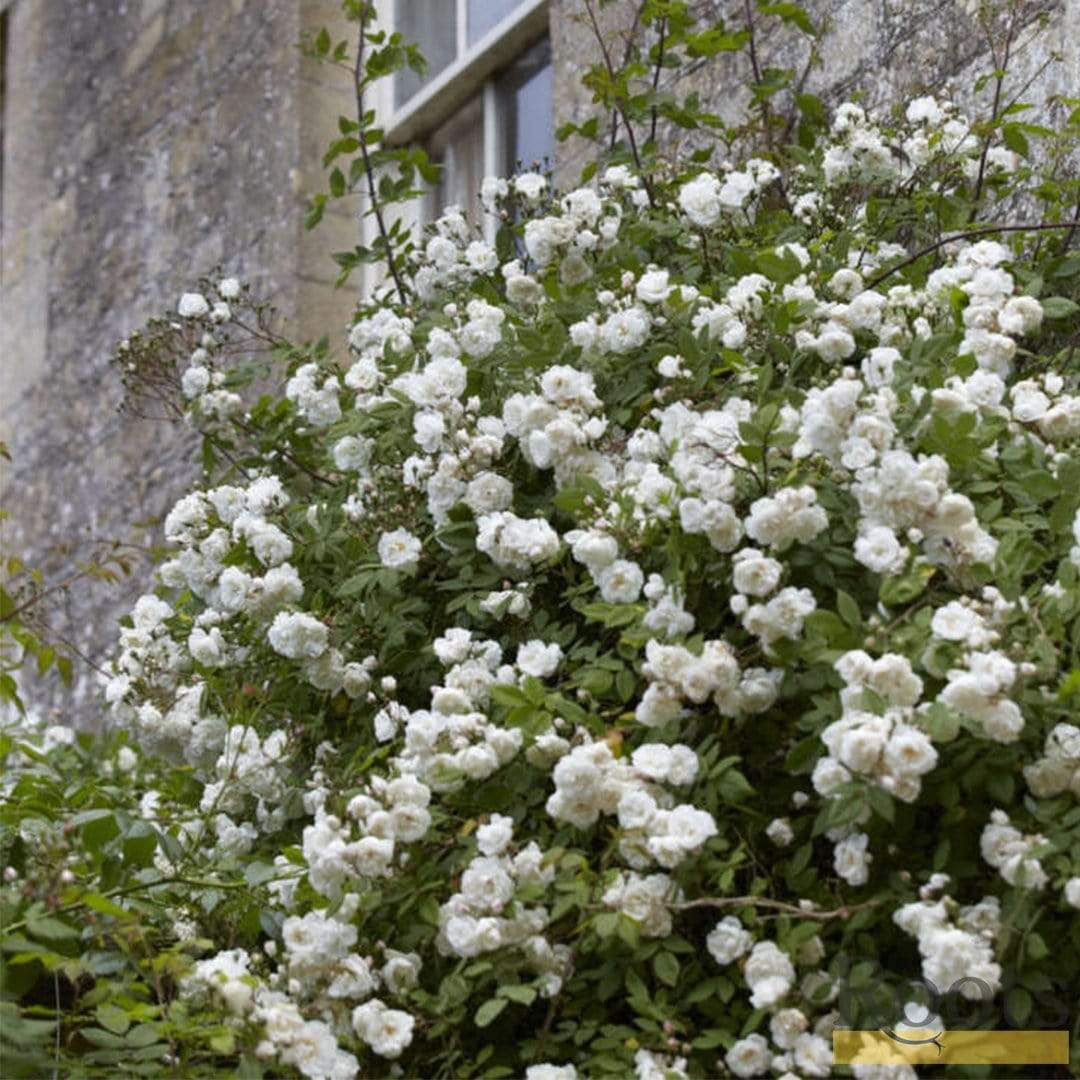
[[493, 147], [462, 27]]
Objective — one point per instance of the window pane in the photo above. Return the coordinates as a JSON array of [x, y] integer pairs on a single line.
[[524, 91], [484, 14], [459, 147], [431, 24]]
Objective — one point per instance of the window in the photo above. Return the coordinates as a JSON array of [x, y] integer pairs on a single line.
[[458, 146], [523, 93], [432, 24], [484, 106], [483, 15]]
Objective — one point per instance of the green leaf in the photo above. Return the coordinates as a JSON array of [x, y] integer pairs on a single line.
[[225, 1043], [1070, 685], [827, 625], [47, 928], [98, 827], [140, 844], [813, 109], [524, 995], [45, 659], [1058, 307], [21, 1029], [801, 858], [803, 755], [256, 873], [711, 42], [612, 615], [848, 609], [489, 1010], [790, 13], [733, 787], [1035, 948], [906, 587], [1014, 138], [1018, 1006], [940, 722], [103, 905], [840, 809], [312, 218], [635, 987], [711, 1039], [510, 696], [781, 269], [1001, 786], [629, 930], [606, 923], [881, 803], [143, 1035], [101, 1038], [666, 966], [113, 1018]]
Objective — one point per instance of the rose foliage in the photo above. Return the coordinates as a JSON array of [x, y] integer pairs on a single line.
[[653, 646]]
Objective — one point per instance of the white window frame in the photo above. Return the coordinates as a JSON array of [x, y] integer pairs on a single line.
[[472, 72]]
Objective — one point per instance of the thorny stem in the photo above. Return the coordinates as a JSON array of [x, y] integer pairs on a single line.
[[754, 65], [656, 77], [619, 106], [766, 112], [970, 234], [999, 82], [369, 173], [705, 252], [1035, 76], [903, 616], [552, 1010], [287, 455], [224, 451], [800, 86], [261, 332], [627, 53]]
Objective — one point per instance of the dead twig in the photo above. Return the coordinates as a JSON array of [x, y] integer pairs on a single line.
[[774, 905]]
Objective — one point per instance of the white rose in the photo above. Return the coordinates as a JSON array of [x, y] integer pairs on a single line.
[[193, 306], [399, 550]]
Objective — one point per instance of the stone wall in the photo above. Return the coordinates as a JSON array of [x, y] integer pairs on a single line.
[[146, 141]]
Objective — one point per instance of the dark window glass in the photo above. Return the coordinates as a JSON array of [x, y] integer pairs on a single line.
[[484, 14], [524, 92], [431, 24]]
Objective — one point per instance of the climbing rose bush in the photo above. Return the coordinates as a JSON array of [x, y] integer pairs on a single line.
[[652, 647]]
